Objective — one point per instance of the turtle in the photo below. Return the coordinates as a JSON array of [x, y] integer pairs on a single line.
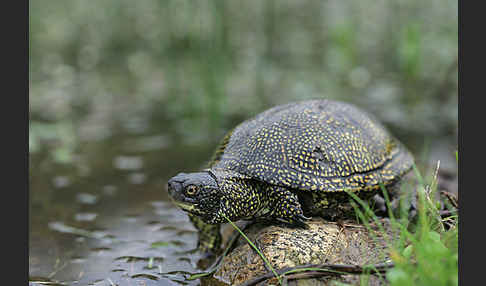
[[289, 163]]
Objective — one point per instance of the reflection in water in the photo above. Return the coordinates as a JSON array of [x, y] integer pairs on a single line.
[[86, 198], [85, 216]]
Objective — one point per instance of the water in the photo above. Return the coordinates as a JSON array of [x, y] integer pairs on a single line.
[[105, 219]]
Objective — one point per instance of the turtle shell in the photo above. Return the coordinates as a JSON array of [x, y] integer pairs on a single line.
[[316, 145]]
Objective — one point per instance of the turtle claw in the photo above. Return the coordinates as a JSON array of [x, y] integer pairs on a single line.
[[300, 221]]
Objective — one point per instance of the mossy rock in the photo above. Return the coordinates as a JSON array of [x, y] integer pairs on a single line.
[[323, 243]]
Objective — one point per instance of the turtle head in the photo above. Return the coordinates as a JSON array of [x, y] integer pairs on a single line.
[[196, 193]]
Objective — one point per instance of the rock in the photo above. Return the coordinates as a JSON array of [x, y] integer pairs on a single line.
[[323, 243]]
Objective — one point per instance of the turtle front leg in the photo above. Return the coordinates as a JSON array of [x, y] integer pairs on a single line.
[[285, 207], [209, 236]]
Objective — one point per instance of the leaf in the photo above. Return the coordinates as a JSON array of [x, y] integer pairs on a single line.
[[159, 244], [434, 236], [397, 276], [407, 252]]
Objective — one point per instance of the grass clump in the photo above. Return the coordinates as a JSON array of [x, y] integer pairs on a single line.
[[425, 251]]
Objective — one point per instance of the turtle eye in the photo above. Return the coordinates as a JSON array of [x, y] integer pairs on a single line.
[[191, 190]]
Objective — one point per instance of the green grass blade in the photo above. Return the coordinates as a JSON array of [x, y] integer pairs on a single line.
[[256, 249], [369, 213]]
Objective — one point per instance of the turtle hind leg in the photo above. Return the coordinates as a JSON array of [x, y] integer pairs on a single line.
[[286, 207], [332, 206]]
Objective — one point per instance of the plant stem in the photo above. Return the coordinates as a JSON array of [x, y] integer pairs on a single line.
[[256, 249]]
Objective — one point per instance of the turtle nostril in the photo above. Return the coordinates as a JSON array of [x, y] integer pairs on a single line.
[[174, 186]]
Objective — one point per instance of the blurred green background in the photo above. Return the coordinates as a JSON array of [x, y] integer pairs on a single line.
[[193, 69]]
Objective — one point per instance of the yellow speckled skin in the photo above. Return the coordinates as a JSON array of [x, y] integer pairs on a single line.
[[298, 159]]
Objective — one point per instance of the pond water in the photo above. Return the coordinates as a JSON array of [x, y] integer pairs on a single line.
[[106, 218]]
